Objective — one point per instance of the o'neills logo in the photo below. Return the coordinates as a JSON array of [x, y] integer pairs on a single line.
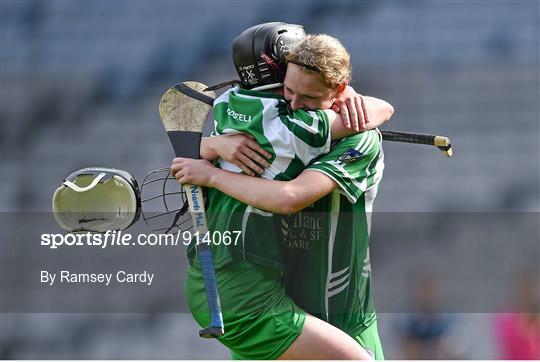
[[238, 116]]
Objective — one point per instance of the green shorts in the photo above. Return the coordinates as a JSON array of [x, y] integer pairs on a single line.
[[261, 321], [369, 339]]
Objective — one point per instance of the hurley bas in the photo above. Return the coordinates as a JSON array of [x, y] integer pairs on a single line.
[[121, 276]]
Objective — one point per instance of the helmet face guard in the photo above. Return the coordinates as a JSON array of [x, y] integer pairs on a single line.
[[259, 53], [97, 199], [164, 203]]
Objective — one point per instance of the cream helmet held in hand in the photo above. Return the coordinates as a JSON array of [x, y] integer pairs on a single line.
[[97, 199]]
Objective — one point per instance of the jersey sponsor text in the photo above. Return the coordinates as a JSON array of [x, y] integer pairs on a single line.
[[238, 116]]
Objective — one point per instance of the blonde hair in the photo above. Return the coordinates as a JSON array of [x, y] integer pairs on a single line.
[[323, 54]]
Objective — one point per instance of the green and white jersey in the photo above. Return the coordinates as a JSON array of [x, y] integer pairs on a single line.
[[326, 246], [293, 138]]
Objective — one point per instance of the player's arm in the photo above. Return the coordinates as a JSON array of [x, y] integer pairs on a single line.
[[283, 197], [207, 149], [329, 172], [376, 110], [239, 149], [353, 109]]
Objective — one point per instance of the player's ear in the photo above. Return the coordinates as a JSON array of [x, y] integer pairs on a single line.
[[340, 89]]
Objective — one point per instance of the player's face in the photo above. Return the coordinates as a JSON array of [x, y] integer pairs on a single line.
[[307, 90]]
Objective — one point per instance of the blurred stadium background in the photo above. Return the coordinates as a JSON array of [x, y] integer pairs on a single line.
[[81, 81]]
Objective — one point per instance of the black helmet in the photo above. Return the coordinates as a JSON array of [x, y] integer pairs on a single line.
[[259, 53]]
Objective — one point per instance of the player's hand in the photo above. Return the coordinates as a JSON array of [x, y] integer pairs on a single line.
[[353, 109], [241, 150], [193, 172]]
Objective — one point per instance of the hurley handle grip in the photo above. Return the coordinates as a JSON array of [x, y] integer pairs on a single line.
[[443, 143], [216, 328]]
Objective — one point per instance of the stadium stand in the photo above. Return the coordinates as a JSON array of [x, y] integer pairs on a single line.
[[80, 86]]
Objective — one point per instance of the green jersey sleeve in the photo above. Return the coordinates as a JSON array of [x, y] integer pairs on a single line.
[[355, 163]]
